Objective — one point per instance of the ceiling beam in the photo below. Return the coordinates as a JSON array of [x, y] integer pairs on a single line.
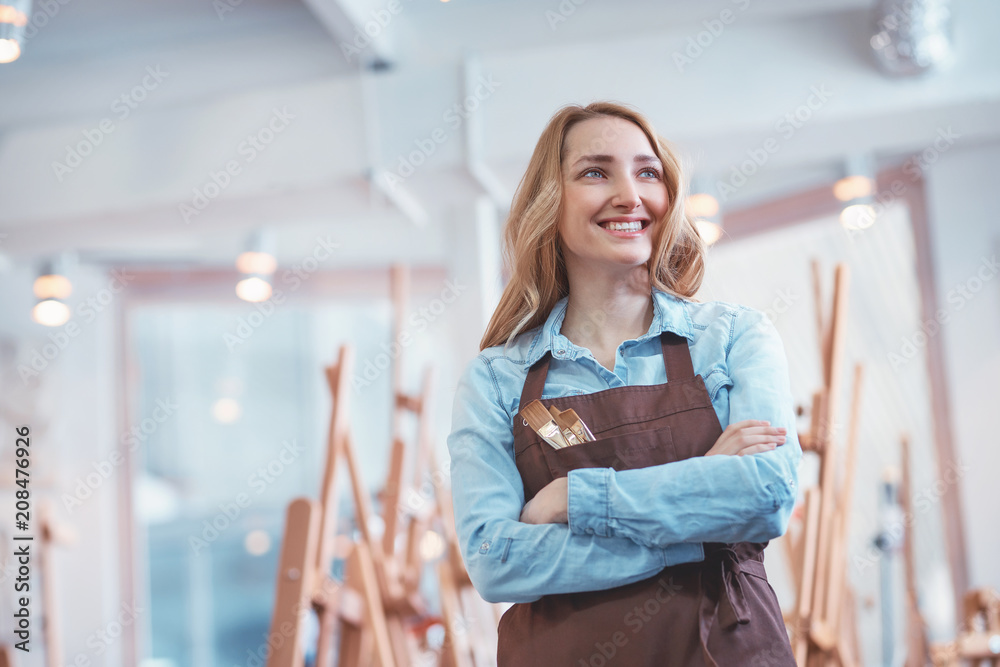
[[361, 28]]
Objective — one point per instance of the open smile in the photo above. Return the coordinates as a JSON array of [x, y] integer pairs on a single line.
[[624, 227]]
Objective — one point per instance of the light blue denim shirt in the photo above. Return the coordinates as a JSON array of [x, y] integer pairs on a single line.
[[627, 525]]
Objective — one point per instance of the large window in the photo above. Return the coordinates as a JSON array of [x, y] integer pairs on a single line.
[[240, 406]]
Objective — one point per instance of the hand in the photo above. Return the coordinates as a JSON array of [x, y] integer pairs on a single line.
[[750, 436], [550, 505]]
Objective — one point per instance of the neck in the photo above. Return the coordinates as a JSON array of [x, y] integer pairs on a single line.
[[602, 311]]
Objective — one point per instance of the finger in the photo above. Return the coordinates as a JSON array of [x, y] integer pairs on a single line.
[[751, 440], [764, 430]]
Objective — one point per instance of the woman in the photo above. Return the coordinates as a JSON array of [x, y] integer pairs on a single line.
[[642, 547]]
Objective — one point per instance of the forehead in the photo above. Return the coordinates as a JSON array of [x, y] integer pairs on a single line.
[[608, 135]]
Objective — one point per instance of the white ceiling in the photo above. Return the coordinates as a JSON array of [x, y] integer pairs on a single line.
[[228, 72]]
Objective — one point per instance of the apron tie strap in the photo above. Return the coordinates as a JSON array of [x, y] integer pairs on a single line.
[[721, 594]]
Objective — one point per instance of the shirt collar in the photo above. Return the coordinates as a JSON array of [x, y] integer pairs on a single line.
[[670, 313]]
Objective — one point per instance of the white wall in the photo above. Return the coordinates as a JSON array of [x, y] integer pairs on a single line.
[[964, 212], [70, 408]]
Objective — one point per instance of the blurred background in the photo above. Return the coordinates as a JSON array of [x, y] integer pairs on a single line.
[[175, 395]]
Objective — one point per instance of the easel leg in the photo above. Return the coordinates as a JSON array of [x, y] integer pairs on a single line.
[[324, 645]]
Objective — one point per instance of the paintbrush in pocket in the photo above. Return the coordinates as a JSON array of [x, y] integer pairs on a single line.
[[541, 421], [571, 425]]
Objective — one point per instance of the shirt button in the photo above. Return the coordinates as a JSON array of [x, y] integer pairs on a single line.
[[484, 547], [791, 482], [561, 353]]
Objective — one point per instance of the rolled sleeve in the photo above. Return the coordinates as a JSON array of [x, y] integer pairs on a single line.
[[587, 504], [715, 498]]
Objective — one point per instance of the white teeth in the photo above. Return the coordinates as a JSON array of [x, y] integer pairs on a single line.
[[625, 226]]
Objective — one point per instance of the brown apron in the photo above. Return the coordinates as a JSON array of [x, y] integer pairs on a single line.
[[720, 611]]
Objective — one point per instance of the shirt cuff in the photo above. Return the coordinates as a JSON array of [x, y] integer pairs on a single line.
[[683, 552], [587, 503]]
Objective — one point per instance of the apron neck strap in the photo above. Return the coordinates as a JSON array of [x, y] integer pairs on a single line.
[[676, 362], [535, 382], [676, 356]]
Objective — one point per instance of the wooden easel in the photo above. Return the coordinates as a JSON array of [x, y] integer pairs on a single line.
[[469, 621], [979, 639], [372, 609], [304, 580], [52, 533], [822, 622], [917, 647]]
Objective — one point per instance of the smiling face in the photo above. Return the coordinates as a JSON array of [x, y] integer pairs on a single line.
[[613, 196]]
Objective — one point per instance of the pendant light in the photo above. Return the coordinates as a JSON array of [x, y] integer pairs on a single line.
[[704, 210], [857, 190], [13, 22], [258, 264], [51, 288]]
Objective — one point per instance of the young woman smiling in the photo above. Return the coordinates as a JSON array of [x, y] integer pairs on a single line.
[[643, 546]]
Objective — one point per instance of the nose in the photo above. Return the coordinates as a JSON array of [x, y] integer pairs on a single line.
[[626, 195]]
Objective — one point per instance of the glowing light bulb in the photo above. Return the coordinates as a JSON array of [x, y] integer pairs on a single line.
[[256, 262], [857, 216], [52, 286], [853, 187], [226, 410], [50, 313], [709, 231], [702, 205], [253, 289]]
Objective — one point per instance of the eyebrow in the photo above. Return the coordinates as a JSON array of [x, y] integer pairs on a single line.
[[639, 159]]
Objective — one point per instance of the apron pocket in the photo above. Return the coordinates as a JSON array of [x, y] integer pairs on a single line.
[[621, 452]]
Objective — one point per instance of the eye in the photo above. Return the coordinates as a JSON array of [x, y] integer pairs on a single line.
[[651, 170], [593, 170]]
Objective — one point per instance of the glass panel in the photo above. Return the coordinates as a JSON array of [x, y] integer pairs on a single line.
[[236, 407]]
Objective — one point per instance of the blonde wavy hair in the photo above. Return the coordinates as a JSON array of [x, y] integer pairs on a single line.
[[531, 248]]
